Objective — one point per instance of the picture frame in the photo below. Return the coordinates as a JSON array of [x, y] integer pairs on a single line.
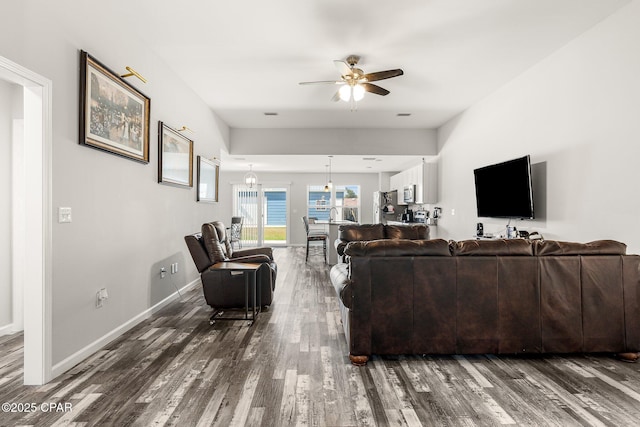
[[114, 116], [208, 172], [175, 157]]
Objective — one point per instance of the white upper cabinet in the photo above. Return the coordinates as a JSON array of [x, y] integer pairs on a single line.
[[424, 176]]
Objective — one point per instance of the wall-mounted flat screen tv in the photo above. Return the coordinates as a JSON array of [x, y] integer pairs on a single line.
[[504, 190]]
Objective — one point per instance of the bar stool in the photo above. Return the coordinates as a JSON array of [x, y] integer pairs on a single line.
[[315, 236]]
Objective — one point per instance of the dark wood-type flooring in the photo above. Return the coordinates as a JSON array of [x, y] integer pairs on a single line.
[[291, 368]]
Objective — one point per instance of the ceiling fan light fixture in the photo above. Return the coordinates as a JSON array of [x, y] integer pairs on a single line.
[[358, 93], [351, 92], [345, 93]]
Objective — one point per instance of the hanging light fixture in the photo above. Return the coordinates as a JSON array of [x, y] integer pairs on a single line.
[[250, 178], [329, 183], [326, 175]]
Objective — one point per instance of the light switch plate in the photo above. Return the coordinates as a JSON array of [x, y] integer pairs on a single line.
[[64, 215]]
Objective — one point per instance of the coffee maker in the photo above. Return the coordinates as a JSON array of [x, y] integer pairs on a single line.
[[407, 216]]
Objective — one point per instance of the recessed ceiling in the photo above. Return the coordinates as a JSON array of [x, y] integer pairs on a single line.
[[246, 59]]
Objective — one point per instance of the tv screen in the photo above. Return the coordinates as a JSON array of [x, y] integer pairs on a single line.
[[504, 190]]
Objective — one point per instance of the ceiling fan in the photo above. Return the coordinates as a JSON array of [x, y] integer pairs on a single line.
[[355, 82]]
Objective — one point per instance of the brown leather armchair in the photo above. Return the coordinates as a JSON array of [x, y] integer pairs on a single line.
[[222, 289]]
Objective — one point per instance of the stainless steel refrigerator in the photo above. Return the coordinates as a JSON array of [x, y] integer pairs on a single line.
[[385, 206]]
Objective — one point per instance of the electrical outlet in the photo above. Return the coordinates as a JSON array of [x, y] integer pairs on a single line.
[[163, 272]]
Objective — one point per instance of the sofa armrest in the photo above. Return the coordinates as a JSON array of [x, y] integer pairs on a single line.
[[257, 258], [253, 251]]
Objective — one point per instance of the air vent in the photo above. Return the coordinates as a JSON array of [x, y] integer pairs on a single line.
[[403, 114], [270, 114]]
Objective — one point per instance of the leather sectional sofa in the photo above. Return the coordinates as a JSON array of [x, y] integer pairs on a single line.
[[490, 296]]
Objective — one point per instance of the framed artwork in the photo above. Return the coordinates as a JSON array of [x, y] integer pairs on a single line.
[[114, 116], [175, 157], [208, 175]]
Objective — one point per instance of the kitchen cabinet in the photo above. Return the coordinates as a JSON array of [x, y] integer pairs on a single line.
[[424, 176]]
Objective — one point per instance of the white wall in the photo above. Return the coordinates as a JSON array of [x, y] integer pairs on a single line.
[[578, 114], [298, 194], [125, 225], [6, 117]]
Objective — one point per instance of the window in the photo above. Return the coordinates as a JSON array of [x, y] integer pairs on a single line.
[[318, 202], [348, 202], [341, 203]]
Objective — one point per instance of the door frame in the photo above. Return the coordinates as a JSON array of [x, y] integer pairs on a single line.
[[31, 219]]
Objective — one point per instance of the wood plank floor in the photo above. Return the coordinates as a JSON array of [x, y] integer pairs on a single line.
[[291, 368]]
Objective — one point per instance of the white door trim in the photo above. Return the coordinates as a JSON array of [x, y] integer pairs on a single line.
[[35, 229]]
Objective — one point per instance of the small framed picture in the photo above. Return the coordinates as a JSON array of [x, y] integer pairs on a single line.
[[114, 116], [175, 157], [208, 175]]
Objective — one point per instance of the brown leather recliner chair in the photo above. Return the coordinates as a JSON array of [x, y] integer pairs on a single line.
[[222, 289]]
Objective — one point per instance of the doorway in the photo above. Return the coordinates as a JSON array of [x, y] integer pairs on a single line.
[[264, 209], [31, 217]]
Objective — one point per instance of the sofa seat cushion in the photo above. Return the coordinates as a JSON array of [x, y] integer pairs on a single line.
[[598, 247], [411, 232], [340, 280], [509, 247], [399, 247]]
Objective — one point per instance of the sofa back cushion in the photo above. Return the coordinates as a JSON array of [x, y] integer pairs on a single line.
[[198, 251], [598, 247], [398, 247], [215, 248], [510, 247], [356, 232], [411, 232]]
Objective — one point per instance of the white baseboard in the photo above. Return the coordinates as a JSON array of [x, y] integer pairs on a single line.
[[87, 351], [7, 330]]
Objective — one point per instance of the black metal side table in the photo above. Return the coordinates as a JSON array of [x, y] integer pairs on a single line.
[[249, 271]]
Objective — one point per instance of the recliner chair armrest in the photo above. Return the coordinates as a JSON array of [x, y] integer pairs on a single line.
[[254, 251], [257, 258]]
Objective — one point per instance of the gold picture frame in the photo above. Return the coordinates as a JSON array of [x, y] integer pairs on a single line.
[[208, 172], [175, 157], [114, 116]]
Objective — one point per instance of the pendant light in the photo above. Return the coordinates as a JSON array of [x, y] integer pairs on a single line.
[[250, 178], [326, 175], [329, 184]]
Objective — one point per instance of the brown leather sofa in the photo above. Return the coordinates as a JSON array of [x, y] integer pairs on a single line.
[[495, 296], [365, 232], [222, 289]]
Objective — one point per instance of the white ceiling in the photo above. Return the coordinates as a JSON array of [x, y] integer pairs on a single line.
[[247, 58]]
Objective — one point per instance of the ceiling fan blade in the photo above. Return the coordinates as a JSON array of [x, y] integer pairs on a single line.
[[375, 89], [336, 97], [343, 67], [381, 75], [332, 82]]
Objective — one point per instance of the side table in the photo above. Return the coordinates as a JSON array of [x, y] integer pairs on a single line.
[[249, 271]]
